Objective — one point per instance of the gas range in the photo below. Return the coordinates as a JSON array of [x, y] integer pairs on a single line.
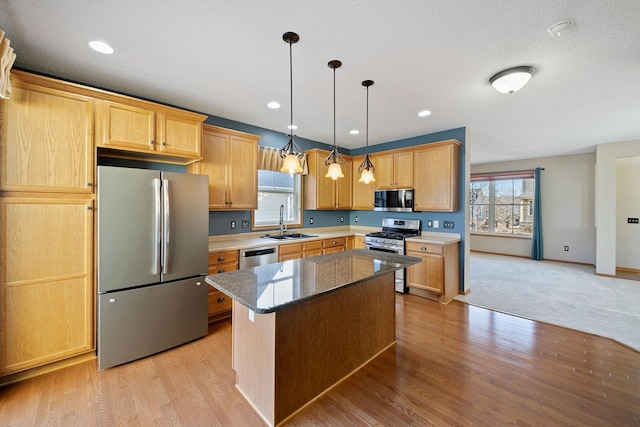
[[391, 239]]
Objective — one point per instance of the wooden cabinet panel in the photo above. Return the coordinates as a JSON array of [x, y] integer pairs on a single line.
[[46, 139], [324, 193], [394, 169], [436, 177], [179, 136], [126, 126], [337, 244], [47, 280], [220, 304], [437, 274], [362, 193], [290, 251], [230, 159]]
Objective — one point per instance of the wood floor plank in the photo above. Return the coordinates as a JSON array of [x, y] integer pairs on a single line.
[[452, 365]]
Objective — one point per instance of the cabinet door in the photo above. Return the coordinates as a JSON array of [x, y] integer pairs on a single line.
[[290, 251], [403, 169], [47, 280], [428, 274], [46, 140], [362, 193], [215, 161], [437, 178], [384, 171], [125, 127], [243, 173], [179, 136], [343, 187]]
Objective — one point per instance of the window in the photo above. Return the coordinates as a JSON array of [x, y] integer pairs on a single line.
[[277, 189], [502, 203]]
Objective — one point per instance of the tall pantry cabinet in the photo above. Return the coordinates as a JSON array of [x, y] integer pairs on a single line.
[[46, 219]]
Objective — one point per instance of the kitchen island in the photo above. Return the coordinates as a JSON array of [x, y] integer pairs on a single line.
[[301, 326]]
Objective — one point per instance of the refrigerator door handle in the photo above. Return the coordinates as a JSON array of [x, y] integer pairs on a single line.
[[167, 226], [158, 226]]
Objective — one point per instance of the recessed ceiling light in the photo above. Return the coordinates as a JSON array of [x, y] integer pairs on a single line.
[[292, 127], [424, 113], [273, 105], [354, 131], [101, 47]]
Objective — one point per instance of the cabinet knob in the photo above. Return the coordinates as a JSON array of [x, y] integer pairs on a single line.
[[221, 299], [220, 258], [334, 243], [221, 270], [89, 184], [164, 144], [151, 142], [89, 208], [423, 248]]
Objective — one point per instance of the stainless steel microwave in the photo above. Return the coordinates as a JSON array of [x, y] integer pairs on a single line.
[[393, 200]]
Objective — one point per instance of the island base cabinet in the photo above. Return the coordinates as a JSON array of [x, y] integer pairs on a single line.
[[306, 348]]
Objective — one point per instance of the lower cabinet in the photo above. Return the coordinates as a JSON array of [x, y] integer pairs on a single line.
[[219, 303], [337, 244], [46, 269], [299, 250], [437, 275]]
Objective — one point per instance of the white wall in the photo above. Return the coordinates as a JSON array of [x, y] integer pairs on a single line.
[[567, 192], [606, 236], [627, 206]]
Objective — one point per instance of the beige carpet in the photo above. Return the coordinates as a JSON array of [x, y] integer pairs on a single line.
[[563, 294]]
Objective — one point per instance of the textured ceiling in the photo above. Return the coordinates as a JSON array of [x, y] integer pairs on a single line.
[[227, 58]]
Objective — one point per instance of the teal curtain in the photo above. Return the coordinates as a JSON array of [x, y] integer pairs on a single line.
[[536, 241]]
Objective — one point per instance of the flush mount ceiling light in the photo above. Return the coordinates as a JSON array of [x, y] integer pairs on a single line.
[[273, 105], [101, 47], [334, 160], [291, 153], [366, 168], [424, 113], [512, 79]]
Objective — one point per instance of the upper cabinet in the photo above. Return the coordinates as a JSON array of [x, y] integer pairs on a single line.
[[394, 169], [230, 159], [362, 193], [46, 137], [146, 128], [436, 177], [324, 193]]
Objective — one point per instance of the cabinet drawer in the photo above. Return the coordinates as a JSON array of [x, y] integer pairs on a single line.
[[222, 267], [338, 241], [218, 257], [424, 247], [291, 248], [218, 302]]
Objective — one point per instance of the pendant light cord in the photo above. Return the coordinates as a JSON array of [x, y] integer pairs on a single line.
[[291, 84], [334, 109]]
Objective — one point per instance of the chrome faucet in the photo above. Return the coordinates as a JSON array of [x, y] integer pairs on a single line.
[[282, 220]]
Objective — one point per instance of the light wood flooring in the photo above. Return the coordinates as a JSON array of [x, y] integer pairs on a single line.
[[453, 365]]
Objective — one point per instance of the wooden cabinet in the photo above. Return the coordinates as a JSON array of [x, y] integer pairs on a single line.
[[394, 169], [436, 176], [437, 275], [358, 242], [46, 270], [144, 127], [299, 250], [362, 193], [324, 193], [230, 159], [337, 244], [46, 137], [219, 303]]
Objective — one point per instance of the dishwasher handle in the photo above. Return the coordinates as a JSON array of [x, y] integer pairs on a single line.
[[258, 252]]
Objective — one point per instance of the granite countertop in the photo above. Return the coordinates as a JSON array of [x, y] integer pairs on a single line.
[[272, 287]]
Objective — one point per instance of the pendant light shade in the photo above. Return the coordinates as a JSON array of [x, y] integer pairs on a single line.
[[366, 168], [334, 160], [291, 153], [512, 79]]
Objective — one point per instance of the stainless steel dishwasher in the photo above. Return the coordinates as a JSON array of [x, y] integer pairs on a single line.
[[255, 257]]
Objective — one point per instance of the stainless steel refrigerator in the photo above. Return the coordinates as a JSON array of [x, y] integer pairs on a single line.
[[153, 233]]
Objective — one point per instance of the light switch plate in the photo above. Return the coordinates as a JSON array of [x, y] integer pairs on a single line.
[[436, 223]]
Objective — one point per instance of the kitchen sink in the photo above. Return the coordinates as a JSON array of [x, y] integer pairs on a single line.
[[290, 236]]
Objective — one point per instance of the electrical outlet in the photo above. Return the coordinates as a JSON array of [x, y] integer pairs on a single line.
[[233, 225], [310, 220], [436, 223], [448, 224], [566, 248], [632, 220], [429, 223], [356, 219], [341, 219], [245, 223]]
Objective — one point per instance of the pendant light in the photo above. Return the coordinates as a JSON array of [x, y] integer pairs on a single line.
[[334, 160], [291, 153], [366, 169]]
